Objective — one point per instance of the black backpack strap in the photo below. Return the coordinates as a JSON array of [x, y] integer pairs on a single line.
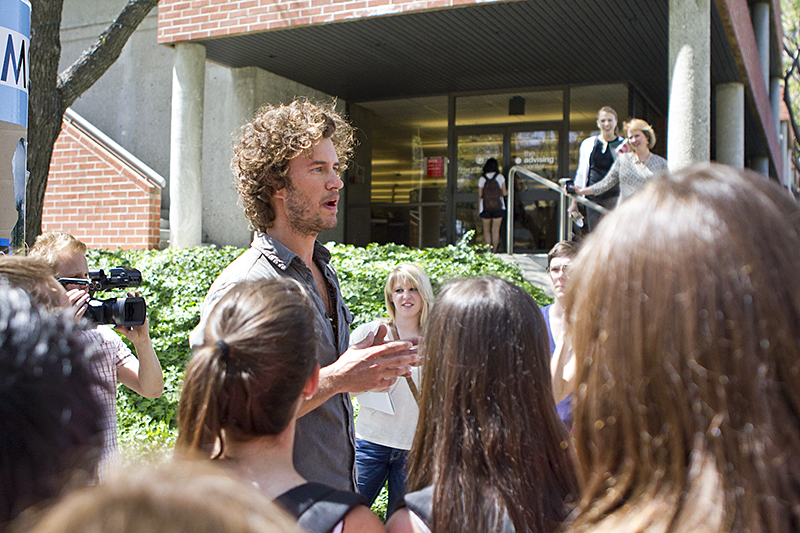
[[420, 503], [317, 507]]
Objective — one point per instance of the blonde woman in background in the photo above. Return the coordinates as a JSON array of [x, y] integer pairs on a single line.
[[382, 438], [595, 158]]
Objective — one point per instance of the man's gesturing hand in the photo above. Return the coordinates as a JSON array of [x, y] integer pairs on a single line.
[[373, 364]]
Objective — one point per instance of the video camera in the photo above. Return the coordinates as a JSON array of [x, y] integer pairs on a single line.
[[126, 311], [117, 278]]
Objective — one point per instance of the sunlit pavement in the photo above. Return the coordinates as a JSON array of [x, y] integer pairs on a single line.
[[533, 268]]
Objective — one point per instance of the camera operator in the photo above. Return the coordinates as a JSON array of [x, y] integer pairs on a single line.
[[142, 373]]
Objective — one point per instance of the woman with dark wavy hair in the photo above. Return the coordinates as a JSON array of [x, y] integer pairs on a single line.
[[688, 394], [490, 453]]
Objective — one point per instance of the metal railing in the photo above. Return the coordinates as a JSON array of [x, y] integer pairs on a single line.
[[564, 221], [109, 144]]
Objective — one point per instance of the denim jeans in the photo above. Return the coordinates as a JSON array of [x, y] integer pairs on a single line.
[[375, 464]]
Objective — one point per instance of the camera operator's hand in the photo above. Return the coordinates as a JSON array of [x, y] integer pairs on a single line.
[[78, 298], [136, 334], [143, 372]]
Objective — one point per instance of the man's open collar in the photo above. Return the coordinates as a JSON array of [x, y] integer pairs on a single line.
[[281, 256]]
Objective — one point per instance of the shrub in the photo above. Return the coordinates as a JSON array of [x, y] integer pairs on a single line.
[[175, 282]]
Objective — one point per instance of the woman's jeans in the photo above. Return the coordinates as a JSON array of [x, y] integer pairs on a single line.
[[375, 464]]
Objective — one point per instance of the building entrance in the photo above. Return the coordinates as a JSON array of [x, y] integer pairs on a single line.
[[535, 147], [414, 178]]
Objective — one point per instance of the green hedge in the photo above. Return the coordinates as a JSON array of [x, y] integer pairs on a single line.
[[175, 283]]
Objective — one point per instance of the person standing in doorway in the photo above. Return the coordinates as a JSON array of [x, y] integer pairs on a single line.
[[596, 156], [492, 206]]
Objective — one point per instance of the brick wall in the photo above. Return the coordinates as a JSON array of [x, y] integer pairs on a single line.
[[187, 20], [99, 198]]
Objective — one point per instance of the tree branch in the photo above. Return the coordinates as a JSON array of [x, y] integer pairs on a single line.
[[94, 62]]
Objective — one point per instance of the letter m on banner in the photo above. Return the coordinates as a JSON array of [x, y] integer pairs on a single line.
[[15, 59]]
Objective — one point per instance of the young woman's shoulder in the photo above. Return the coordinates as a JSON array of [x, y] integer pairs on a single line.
[[402, 522], [362, 518]]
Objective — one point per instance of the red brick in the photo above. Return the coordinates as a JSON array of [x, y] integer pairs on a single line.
[[91, 193]]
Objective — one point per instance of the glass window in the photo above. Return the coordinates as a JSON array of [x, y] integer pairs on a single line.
[[408, 182], [535, 206], [473, 152], [405, 134]]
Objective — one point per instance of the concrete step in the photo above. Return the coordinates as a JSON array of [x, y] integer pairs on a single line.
[[163, 242], [534, 269]]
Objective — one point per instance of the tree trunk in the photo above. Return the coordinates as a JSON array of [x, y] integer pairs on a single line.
[[44, 107], [50, 94]]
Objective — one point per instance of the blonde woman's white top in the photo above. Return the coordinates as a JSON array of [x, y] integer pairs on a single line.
[[395, 430]]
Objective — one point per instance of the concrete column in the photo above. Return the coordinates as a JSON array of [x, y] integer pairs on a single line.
[[760, 16], [186, 146], [761, 165], [786, 157], [730, 124], [689, 128], [775, 101]]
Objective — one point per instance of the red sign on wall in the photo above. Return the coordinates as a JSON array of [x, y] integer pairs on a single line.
[[436, 167]]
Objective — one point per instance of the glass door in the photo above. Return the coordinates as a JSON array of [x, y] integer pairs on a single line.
[[535, 206], [534, 147], [473, 151]]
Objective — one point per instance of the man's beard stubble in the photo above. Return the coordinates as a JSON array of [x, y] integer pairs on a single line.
[[301, 215]]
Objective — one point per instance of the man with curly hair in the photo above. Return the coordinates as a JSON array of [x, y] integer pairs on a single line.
[[287, 165]]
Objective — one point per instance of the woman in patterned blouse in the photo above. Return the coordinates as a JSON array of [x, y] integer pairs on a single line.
[[633, 169]]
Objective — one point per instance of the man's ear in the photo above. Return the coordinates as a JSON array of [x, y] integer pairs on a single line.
[[280, 194]]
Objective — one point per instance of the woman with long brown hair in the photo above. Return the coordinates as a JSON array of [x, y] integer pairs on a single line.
[[688, 394], [242, 393], [490, 453]]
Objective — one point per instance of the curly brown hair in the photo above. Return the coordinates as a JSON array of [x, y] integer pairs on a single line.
[[275, 136]]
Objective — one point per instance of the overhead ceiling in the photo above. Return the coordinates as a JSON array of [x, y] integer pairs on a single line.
[[481, 47]]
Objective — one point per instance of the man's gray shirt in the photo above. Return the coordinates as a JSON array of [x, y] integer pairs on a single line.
[[324, 446]]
